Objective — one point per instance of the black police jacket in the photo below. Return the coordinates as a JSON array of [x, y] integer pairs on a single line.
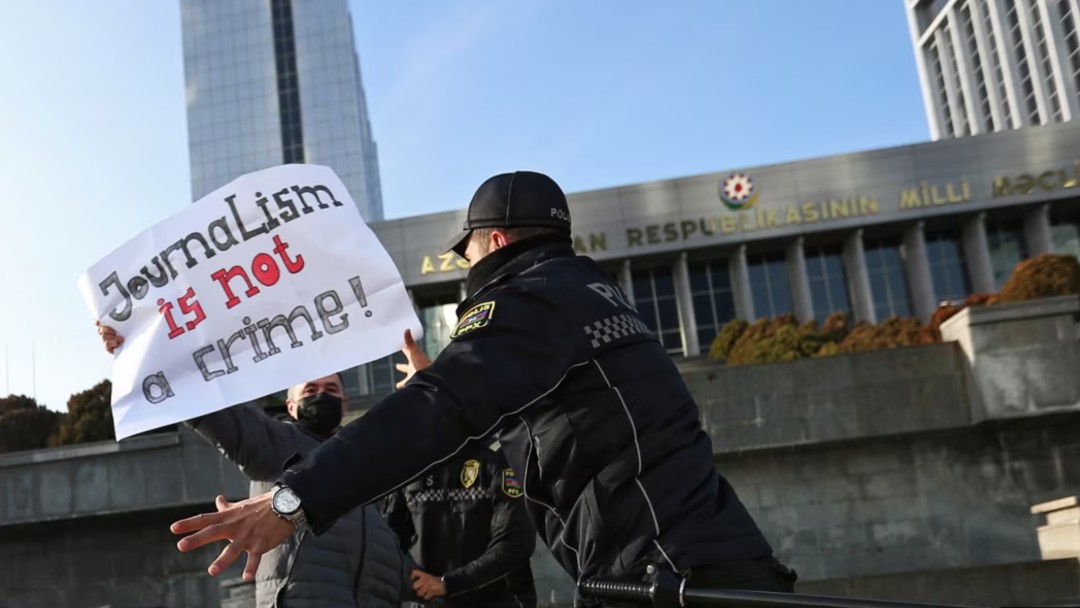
[[591, 412], [466, 522]]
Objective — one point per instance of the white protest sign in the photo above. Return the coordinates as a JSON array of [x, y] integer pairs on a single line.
[[270, 281]]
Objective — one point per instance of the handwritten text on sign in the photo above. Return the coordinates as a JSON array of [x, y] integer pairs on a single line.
[[273, 280]]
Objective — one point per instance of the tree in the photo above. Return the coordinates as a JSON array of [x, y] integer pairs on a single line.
[[89, 417], [16, 402], [25, 425]]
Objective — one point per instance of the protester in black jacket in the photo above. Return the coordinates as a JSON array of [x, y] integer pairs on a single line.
[[466, 526], [615, 467], [357, 562]]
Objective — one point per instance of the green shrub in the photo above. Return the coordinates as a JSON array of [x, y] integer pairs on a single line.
[[894, 332], [725, 340], [765, 341]]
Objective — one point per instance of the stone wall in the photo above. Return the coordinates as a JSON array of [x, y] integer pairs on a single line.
[[1023, 357], [959, 497], [138, 474], [1042, 583], [120, 561], [812, 401], [88, 525]]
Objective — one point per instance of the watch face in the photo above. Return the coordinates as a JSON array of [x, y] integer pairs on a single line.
[[285, 502]]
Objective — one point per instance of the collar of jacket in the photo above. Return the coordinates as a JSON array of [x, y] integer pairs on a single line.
[[513, 259], [309, 431]]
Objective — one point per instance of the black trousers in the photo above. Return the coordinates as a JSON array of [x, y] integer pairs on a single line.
[[763, 574]]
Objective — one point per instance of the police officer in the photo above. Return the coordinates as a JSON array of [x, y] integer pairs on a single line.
[[465, 524], [592, 413]]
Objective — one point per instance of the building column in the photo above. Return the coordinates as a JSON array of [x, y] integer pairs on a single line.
[[977, 253], [685, 301], [415, 307], [800, 280], [933, 112], [1037, 230], [917, 269], [626, 281], [363, 387], [739, 269], [862, 300]]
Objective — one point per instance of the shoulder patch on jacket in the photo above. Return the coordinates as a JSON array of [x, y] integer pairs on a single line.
[[476, 317], [510, 484]]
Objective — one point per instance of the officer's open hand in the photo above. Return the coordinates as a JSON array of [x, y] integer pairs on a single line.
[[250, 526], [426, 585], [416, 356], [109, 337]]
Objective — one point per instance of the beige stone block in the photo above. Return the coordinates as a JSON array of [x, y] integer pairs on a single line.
[[1055, 505], [1060, 541], [1064, 516]]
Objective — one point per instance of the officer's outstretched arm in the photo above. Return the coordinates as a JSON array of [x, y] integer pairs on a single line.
[[507, 353]]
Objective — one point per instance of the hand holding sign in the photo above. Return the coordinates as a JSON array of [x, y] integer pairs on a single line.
[[266, 282]]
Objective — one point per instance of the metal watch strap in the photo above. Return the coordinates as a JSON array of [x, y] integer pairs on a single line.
[[298, 519]]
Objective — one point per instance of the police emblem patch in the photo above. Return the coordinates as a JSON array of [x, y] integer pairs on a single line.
[[510, 484], [469, 472], [476, 317]]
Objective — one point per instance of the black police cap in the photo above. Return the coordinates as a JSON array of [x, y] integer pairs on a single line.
[[514, 200]]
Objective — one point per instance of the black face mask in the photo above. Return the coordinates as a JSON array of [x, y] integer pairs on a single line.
[[319, 413]]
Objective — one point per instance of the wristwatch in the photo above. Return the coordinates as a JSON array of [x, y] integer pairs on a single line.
[[286, 505]]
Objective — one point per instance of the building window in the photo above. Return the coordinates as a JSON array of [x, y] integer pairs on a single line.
[[1072, 38], [1044, 60], [438, 316], [933, 60], [1065, 234], [932, 9], [828, 281], [995, 63], [769, 284], [967, 19], [1007, 248], [654, 296], [888, 281], [714, 302], [948, 268], [961, 118], [380, 376], [1027, 89], [350, 380], [288, 88]]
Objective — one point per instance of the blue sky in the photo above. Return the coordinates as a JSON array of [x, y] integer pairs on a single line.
[[597, 93]]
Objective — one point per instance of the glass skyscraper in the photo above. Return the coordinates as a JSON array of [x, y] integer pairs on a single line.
[[270, 82]]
